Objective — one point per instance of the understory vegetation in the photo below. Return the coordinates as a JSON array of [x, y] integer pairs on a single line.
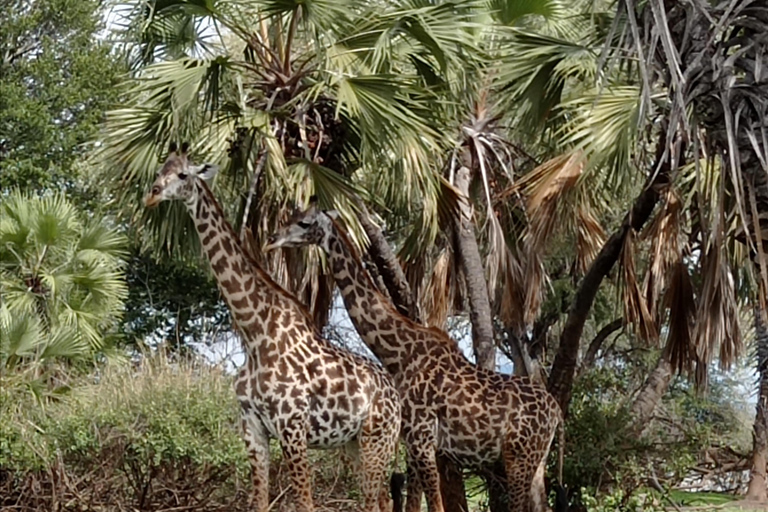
[[160, 434]]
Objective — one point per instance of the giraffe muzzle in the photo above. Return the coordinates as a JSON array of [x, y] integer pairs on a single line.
[[151, 200]]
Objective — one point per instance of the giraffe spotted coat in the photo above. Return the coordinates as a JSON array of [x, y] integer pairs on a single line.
[[295, 386]]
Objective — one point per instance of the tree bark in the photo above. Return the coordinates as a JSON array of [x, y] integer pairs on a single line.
[[650, 395], [393, 277], [564, 365], [757, 477], [480, 313], [389, 267]]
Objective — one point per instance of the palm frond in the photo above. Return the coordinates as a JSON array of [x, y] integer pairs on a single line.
[[437, 299], [679, 299], [534, 71], [20, 336], [590, 236], [636, 310], [604, 125]]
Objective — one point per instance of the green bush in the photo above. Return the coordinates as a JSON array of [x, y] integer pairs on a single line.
[[130, 429], [603, 452], [160, 435]]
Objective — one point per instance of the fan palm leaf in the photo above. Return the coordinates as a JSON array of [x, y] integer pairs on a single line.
[[61, 280]]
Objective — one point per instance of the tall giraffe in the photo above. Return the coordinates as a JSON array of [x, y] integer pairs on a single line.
[[295, 386], [450, 406]]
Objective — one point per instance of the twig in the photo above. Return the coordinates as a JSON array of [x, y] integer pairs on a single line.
[[277, 499]]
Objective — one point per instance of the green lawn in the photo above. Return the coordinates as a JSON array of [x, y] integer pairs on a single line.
[[698, 499]]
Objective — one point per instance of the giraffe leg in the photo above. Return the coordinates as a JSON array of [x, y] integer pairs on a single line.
[[424, 459], [378, 442], [257, 445], [294, 448], [414, 490], [520, 470], [539, 489]]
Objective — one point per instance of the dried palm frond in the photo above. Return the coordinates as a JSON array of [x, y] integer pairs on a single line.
[[635, 307], [590, 237], [680, 301], [437, 300], [536, 280], [666, 248], [717, 316], [545, 191], [513, 298], [549, 180]]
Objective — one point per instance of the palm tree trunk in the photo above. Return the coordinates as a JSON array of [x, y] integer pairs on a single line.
[[388, 266], [564, 365], [757, 477], [480, 313], [650, 395]]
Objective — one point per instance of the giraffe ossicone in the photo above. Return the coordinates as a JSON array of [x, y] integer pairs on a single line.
[[295, 386], [450, 406]]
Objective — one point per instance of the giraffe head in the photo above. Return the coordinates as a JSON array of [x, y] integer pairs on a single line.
[[309, 227], [176, 178]]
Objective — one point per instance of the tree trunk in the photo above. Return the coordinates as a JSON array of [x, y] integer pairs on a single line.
[[564, 365], [480, 313], [388, 266], [757, 477], [393, 277], [650, 395]]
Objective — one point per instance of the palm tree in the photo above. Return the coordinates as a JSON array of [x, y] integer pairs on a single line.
[[667, 79], [61, 283], [293, 99]]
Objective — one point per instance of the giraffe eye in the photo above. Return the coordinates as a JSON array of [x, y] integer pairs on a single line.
[[182, 175], [304, 225], [155, 190]]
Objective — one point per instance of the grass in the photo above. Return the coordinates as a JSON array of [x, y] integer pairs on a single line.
[[698, 499]]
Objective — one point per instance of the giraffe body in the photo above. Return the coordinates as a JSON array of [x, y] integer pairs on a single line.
[[450, 407], [295, 386]]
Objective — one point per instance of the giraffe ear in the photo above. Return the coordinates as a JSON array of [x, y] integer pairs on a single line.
[[172, 147], [335, 215], [206, 171], [184, 148]]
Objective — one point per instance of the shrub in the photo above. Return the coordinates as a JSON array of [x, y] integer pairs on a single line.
[[146, 437], [604, 453], [162, 435]]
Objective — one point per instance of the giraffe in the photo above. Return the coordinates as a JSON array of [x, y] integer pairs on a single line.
[[450, 406], [295, 386]]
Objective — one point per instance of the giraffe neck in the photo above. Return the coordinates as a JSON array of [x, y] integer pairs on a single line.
[[254, 300], [390, 336]]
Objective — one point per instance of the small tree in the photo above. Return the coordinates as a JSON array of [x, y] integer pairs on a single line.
[[61, 283]]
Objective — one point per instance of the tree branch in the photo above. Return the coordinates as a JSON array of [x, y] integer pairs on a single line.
[[564, 366], [597, 342]]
